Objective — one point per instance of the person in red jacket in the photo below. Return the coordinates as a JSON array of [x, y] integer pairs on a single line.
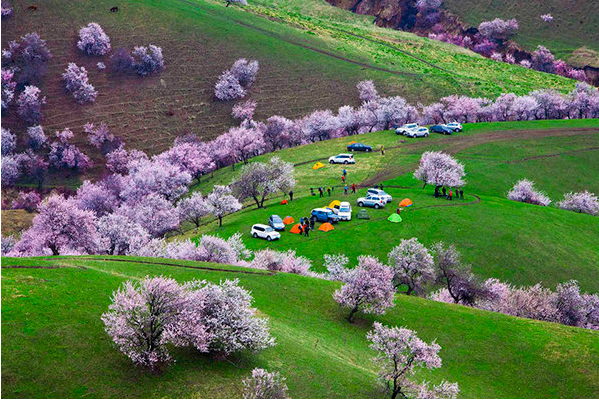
[[450, 194]]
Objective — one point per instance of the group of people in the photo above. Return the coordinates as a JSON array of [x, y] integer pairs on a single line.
[[307, 225], [321, 191], [449, 193]]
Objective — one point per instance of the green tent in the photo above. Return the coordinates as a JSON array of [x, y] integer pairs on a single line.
[[394, 218], [363, 214]]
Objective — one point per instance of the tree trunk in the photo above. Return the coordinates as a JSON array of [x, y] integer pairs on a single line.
[[220, 221], [54, 250], [350, 318]]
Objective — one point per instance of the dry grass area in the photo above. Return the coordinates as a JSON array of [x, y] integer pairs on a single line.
[[15, 221]]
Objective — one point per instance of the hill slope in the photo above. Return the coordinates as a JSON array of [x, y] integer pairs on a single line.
[[520, 243], [311, 56], [54, 344]]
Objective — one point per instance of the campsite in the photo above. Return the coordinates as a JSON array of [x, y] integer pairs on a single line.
[[267, 199]]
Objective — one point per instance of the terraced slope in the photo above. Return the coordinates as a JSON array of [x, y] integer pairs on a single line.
[[54, 344]]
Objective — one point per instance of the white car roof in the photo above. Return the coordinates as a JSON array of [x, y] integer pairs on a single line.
[[322, 209], [261, 226], [344, 203]]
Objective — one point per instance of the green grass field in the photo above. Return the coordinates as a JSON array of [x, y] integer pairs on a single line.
[[520, 243], [54, 344]]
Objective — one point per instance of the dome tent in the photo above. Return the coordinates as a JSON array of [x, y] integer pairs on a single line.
[[318, 165]]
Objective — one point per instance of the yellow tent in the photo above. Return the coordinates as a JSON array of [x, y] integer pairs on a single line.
[[318, 165], [334, 204], [326, 227]]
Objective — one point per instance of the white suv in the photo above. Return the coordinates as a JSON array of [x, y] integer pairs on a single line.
[[380, 193], [264, 232], [455, 126], [344, 211], [402, 130], [371, 201], [418, 132], [342, 159]]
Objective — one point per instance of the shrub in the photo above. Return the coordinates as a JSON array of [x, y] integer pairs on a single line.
[[228, 87], [9, 142], [93, 40], [498, 29], [148, 60], [30, 104], [10, 170], [245, 71], [66, 155], [36, 137], [8, 87], [121, 61], [27, 201], [28, 59], [101, 138], [581, 202], [76, 82], [525, 192], [264, 385]]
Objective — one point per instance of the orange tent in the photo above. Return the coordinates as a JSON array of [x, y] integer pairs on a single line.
[[326, 227], [295, 229], [288, 220], [284, 201], [405, 203], [353, 142]]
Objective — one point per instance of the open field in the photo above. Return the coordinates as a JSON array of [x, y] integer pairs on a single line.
[[311, 57], [520, 243], [54, 344]]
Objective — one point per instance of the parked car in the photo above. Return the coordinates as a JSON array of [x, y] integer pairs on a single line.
[[276, 223], [359, 147], [441, 129], [380, 193], [342, 159], [264, 232], [371, 201], [456, 126], [402, 130], [418, 132], [325, 215], [345, 211]]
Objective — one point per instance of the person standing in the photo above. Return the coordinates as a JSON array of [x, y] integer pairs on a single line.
[[381, 185], [343, 178], [312, 191], [345, 190], [329, 191], [444, 192], [344, 172], [353, 188], [312, 222], [382, 150], [302, 221], [291, 195], [462, 194], [306, 229], [320, 191], [450, 194]]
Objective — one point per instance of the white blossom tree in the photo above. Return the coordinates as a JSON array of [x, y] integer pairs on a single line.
[[440, 169]]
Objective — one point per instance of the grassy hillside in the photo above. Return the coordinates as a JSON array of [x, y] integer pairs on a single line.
[[54, 344], [517, 242], [311, 56], [574, 25]]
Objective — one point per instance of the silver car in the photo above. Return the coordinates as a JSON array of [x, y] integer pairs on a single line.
[[418, 132], [402, 130], [380, 193], [371, 201]]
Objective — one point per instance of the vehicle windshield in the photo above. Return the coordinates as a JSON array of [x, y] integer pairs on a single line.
[[277, 219], [269, 229], [344, 209]]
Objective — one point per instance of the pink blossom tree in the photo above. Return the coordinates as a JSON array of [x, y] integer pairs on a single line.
[[440, 169], [77, 83], [193, 209], [153, 212], [8, 87], [550, 104], [367, 288], [7, 243], [121, 61], [456, 278], [581, 202], [547, 18], [228, 87], [194, 158], [319, 126], [259, 180], [30, 104], [27, 59], [147, 60], [237, 329], [60, 226], [244, 143], [155, 177], [498, 29], [543, 59], [66, 155], [27, 201], [97, 198], [101, 138], [118, 160], [9, 142], [93, 40], [36, 137], [11, 171], [277, 133], [244, 112], [400, 354], [264, 385], [33, 166], [245, 71], [222, 202], [120, 235], [367, 91], [143, 318], [412, 266], [525, 192]]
